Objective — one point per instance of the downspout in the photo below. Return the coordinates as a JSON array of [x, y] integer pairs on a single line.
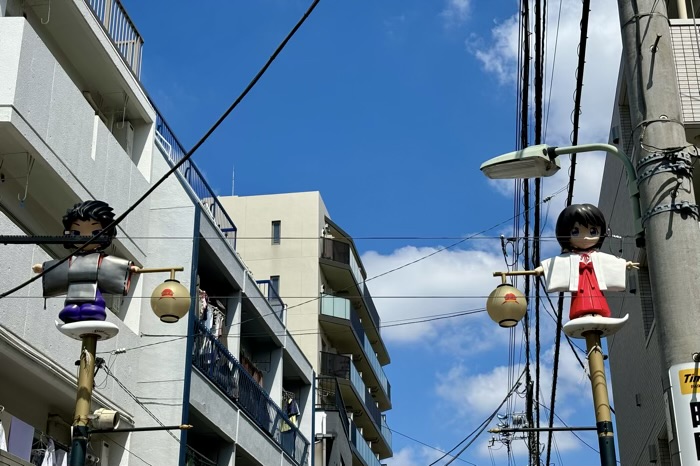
[[312, 441], [190, 336]]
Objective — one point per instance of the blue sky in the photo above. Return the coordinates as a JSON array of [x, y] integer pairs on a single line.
[[388, 107]]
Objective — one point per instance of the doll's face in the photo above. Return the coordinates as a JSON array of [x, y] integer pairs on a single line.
[[585, 237], [86, 228]]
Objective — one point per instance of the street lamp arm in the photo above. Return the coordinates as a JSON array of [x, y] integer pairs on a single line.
[[631, 179]]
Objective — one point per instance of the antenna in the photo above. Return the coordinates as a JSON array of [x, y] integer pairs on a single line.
[[233, 180]]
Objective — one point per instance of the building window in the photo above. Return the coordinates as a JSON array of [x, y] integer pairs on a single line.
[[276, 231]]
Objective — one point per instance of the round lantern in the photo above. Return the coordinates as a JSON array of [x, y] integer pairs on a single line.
[[170, 301], [506, 305]]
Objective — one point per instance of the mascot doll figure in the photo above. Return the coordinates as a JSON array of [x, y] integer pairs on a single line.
[[585, 271]]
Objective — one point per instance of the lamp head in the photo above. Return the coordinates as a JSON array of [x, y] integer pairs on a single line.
[[531, 162], [170, 301]]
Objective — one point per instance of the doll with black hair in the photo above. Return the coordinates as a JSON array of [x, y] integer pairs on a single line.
[[581, 268], [89, 273]]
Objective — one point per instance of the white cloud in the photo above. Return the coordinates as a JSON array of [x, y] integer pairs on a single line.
[[447, 273], [456, 12]]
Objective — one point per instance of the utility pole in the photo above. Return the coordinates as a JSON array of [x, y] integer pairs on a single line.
[[668, 205]]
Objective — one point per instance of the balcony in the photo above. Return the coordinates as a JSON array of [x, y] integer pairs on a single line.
[[362, 447], [200, 189], [121, 30], [272, 297], [357, 395], [343, 315], [344, 274], [222, 369], [194, 458]]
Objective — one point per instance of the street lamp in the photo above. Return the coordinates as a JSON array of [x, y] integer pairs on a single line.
[[539, 161], [543, 160]]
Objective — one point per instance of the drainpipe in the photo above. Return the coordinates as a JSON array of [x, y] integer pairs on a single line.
[[190, 337]]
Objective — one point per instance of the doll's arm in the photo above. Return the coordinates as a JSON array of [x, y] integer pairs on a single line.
[[632, 265], [38, 268]]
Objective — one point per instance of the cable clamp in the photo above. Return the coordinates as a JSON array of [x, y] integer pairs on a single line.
[[685, 208], [682, 169], [669, 155]]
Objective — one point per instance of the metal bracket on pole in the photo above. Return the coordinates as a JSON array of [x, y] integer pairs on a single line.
[[684, 207], [680, 163]]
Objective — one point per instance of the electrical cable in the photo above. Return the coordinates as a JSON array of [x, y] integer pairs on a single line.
[[426, 445], [483, 425], [111, 438], [177, 165], [138, 402]]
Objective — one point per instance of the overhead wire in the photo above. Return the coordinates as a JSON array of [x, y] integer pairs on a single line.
[[177, 165], [479, 429], [426, 445]]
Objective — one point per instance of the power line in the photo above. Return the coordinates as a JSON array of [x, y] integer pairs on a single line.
[[136, 399], [425, 444], [186, 157]]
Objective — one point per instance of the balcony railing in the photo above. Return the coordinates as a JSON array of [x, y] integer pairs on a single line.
[[219, 366], [386, 432], [273, 297], [339, 251], [337, 306], [371, 309], [337, 365], [362, 447], [195, 458], [330, 399], [121, 30], [174, 151]]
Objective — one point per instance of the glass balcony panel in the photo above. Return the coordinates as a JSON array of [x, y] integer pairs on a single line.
[[362, 447]]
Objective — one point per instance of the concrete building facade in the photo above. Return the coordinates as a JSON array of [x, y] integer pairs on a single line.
[[76, 124], [643, 402], [290, 240]]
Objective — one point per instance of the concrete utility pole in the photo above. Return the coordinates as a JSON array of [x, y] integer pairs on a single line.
[[668, 205]]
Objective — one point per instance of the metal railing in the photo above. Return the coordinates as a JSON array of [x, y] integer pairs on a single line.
[[371, 308], [339, 251], [330, 399], [273, 298], [195, 458], [121, 30], [337, 365], [386, 432], [174, 152], [218, 365]]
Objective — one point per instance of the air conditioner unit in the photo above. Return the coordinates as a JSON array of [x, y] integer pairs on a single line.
[[123, 132]]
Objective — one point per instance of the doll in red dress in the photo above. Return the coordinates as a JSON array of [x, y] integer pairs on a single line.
[[581, 268]]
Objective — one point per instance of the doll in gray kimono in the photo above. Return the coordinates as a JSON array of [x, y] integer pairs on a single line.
[[89, 273]]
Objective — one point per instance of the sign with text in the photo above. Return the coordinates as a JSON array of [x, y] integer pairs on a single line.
[[685, 395]]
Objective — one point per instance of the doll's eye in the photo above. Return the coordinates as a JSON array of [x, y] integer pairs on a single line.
[[96, 232], [594, 231], [574, 231], [75, 233]]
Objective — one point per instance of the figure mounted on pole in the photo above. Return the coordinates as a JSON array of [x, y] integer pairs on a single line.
[[585, 271], [89, 273]]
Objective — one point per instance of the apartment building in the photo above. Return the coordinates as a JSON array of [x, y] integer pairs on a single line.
[[76, 124], [643, 401], [313, 264]]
